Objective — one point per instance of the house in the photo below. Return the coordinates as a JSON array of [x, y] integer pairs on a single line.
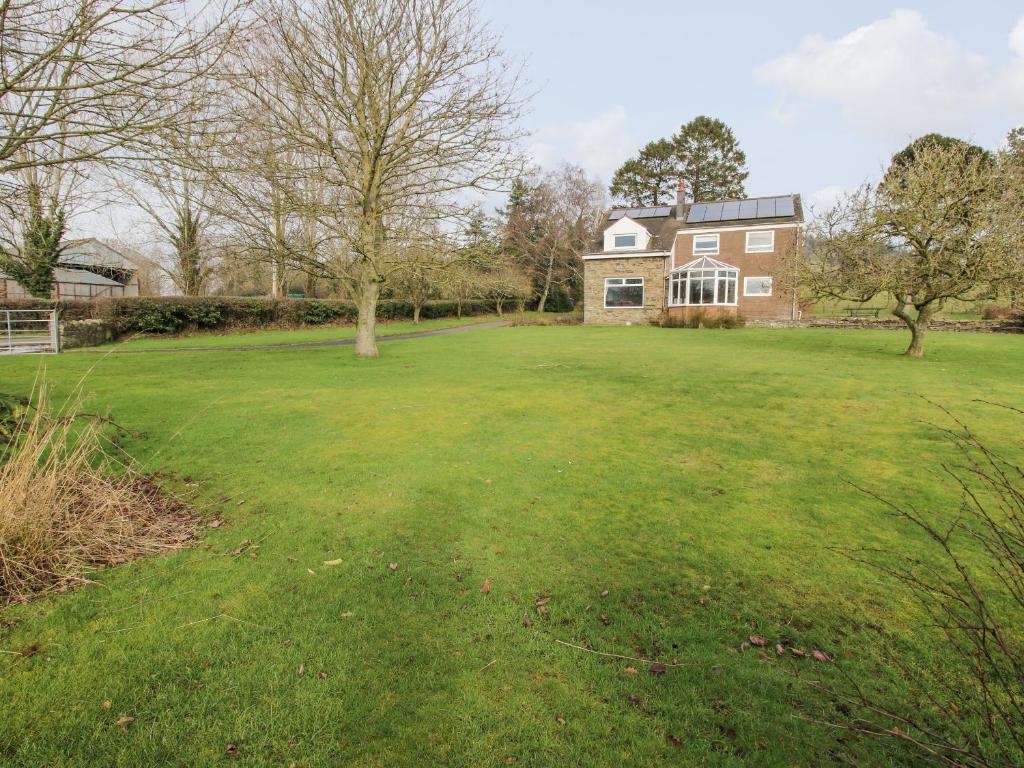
[[87, 269], [723, 257]]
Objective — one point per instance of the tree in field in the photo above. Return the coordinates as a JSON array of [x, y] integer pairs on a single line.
[[550, 226], [650, 178], [710, 160], [394, 108], [39, 222], [420, 278], [704, 153], [940, 226], [173, 190], [95, 78]]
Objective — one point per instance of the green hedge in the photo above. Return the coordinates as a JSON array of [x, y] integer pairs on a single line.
[[178, 314]]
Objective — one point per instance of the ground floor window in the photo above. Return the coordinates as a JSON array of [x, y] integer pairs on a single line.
[[623, 292], [757, 286], [703, 282]]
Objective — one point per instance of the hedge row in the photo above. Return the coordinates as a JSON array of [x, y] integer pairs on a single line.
[[177, 314]]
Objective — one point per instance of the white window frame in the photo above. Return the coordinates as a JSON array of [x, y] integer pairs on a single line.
[[633, 247], [621, 281], [721, 277], [718, 245], [771, 286], [760, 248]]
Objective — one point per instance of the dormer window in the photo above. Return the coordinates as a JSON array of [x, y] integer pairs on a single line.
[[625, 241]]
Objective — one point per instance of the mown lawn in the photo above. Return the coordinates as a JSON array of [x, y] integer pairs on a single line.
[[700, 477]]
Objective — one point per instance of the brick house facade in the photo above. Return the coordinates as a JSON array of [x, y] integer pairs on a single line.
[[724, 257]]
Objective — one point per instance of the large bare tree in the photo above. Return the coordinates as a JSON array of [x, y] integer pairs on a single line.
[[942, 225], [396, 108]]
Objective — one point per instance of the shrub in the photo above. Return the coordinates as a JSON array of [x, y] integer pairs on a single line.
[[703, 320], [999, 312]]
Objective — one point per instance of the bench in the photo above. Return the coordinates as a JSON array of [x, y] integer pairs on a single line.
[[863, 311]]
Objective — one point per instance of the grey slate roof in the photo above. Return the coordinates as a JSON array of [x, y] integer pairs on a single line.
[[664, 228]]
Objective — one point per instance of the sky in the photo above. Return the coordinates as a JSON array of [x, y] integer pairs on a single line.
[[819, 94]]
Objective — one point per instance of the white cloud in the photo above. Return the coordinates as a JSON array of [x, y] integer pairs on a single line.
[[897, 77], [600, 144]]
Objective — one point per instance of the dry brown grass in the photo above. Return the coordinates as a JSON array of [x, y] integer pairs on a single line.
[[71, 502]]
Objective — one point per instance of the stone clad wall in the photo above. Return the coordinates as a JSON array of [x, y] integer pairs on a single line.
[[651, 268]]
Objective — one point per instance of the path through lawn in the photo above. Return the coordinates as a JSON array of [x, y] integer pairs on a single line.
[[697, 476]]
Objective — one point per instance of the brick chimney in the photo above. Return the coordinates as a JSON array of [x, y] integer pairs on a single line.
[[681, 200]]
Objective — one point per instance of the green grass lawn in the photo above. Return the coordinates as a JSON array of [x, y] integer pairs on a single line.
[[700, 477], [288, 336]]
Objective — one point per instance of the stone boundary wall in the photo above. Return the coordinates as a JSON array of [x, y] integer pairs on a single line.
[[971, 326]]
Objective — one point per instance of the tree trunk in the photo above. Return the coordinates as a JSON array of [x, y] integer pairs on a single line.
[[416, 314], [547, 282], [366, 323], [458, 307], [497, 307], [918, 325]]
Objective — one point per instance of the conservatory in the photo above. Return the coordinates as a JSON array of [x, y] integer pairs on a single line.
[[703, 282]]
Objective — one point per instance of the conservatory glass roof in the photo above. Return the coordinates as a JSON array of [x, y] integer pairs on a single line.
[[705, 262]]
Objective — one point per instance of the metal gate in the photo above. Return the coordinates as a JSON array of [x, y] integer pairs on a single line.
[[29, 331]]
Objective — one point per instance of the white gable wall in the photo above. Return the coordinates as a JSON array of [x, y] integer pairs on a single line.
[[627, 226]]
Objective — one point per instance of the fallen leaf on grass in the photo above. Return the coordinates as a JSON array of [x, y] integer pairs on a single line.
[[486, 586], [604, 620], [657, 668], [541, 601], [605, 593], [347, 615], [677, 743], [339, 561], [321, 675], [631, 671], [509, 760], [216, 523], [107, 704], [779, 650], [392, 567], [311, 572], [758, 640], [798, 652], [232, 750], [821, 656], [527, 621], [302, 669], [408, 582], [123, 722], [633, 699]]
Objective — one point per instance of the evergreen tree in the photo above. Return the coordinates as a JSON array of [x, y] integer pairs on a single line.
[[648, 179], [43, 227], [710, 160]]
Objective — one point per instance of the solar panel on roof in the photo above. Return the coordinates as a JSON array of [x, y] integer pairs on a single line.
[[697, 211], [714, 212], [748, 209], [663, 211], [614, 215], [784, 206], [730, 210], [766, 208]]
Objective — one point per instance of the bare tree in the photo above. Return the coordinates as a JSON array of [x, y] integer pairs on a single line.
[[95, 77], [550, 228], [940, 227], [396, 107]]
